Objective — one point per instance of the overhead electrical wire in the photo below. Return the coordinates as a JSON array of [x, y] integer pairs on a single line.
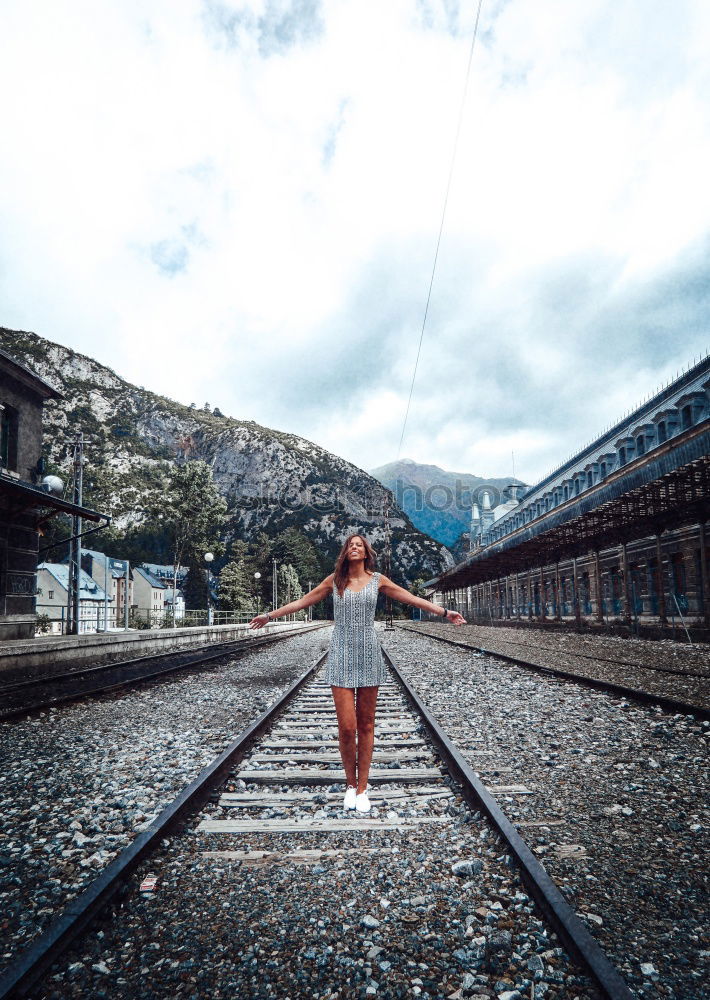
[[443, 219]]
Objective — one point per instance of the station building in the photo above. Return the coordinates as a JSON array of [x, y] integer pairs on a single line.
[[26, 503], [617, 534]]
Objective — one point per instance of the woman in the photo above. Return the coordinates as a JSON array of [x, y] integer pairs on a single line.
[[355, 666]]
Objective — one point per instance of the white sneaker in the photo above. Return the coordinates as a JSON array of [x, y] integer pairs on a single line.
[[350, 797], [362, 802]]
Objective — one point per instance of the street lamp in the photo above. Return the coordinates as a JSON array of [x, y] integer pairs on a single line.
[[208, 557], [257, 577]]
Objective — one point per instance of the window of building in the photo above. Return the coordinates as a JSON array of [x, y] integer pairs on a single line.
[[640, 445], [50, 595], [662, 434], [686, 417], [622, 456], [8, 437], [602, 470]]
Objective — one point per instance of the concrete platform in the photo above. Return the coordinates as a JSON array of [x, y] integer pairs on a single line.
[[45, 656]]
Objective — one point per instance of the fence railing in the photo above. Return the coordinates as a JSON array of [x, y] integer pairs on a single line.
[[52, 619]]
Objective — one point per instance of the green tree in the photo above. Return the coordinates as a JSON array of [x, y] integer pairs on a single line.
[[194, 588], [289, 586], [193, 513], [235, 588], [295, 548]]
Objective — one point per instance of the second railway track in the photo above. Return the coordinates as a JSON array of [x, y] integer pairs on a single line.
[[47, 691], [674, 690], [467, 917]]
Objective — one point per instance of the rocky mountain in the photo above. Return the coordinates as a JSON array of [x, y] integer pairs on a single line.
[[271, 479], [436, 501]]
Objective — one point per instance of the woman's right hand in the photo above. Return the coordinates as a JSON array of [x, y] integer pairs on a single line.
[[259, 621]]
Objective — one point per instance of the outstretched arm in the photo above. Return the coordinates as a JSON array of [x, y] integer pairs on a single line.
[[312, 597], [404, 596]]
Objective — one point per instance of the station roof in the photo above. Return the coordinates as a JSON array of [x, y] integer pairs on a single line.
[[27, 377], [665, 488], [28, 495]]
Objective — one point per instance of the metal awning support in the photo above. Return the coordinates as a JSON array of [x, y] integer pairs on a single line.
[[82, 534]]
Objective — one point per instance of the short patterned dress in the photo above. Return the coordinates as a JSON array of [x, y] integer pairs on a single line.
[[355, 658]]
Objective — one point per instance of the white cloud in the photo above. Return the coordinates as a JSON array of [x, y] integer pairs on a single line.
[[239, 202]]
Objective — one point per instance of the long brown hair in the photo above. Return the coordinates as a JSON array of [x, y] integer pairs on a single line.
[[342, 564]]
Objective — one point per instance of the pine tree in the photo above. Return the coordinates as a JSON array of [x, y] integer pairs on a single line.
[[194, 588], [235, 588]]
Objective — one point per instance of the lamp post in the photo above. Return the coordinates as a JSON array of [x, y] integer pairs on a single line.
[[208, 557], [257, 577]]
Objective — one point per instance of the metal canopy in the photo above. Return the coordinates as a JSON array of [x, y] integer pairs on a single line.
[[667, 488], [27, 496]]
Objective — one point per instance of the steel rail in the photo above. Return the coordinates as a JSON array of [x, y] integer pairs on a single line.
[[556, 909], [610, 687], [119, 672], [605, 659], [21, 975]]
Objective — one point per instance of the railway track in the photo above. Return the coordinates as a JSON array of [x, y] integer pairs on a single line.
[[610, 659], [671, 704], [40, 693], [282, 778]]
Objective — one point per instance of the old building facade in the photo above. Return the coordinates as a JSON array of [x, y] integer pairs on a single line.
[[26, 504], [617, 533]]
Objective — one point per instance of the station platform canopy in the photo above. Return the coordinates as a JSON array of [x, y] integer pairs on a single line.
[[666, 488]]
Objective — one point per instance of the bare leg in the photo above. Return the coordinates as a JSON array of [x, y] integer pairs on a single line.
[[344, 699], [365, 713]]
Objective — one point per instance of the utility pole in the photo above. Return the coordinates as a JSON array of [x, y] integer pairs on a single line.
[[388, 560], [274, 587], [74, 583]]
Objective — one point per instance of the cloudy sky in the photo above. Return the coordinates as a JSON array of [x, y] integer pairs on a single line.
[[238, 201]]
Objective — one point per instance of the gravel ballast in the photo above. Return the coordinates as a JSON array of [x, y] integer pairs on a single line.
[[435, 910], [623, 789], [618, 791], [78, 782]]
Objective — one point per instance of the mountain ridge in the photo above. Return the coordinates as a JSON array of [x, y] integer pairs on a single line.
[[272, 479], [438, 501]]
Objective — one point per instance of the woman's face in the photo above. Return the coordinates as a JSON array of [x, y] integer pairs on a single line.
[[356, 548]]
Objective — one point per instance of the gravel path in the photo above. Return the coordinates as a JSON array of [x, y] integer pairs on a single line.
[[665, 668], [622, 788], [77, 783]]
